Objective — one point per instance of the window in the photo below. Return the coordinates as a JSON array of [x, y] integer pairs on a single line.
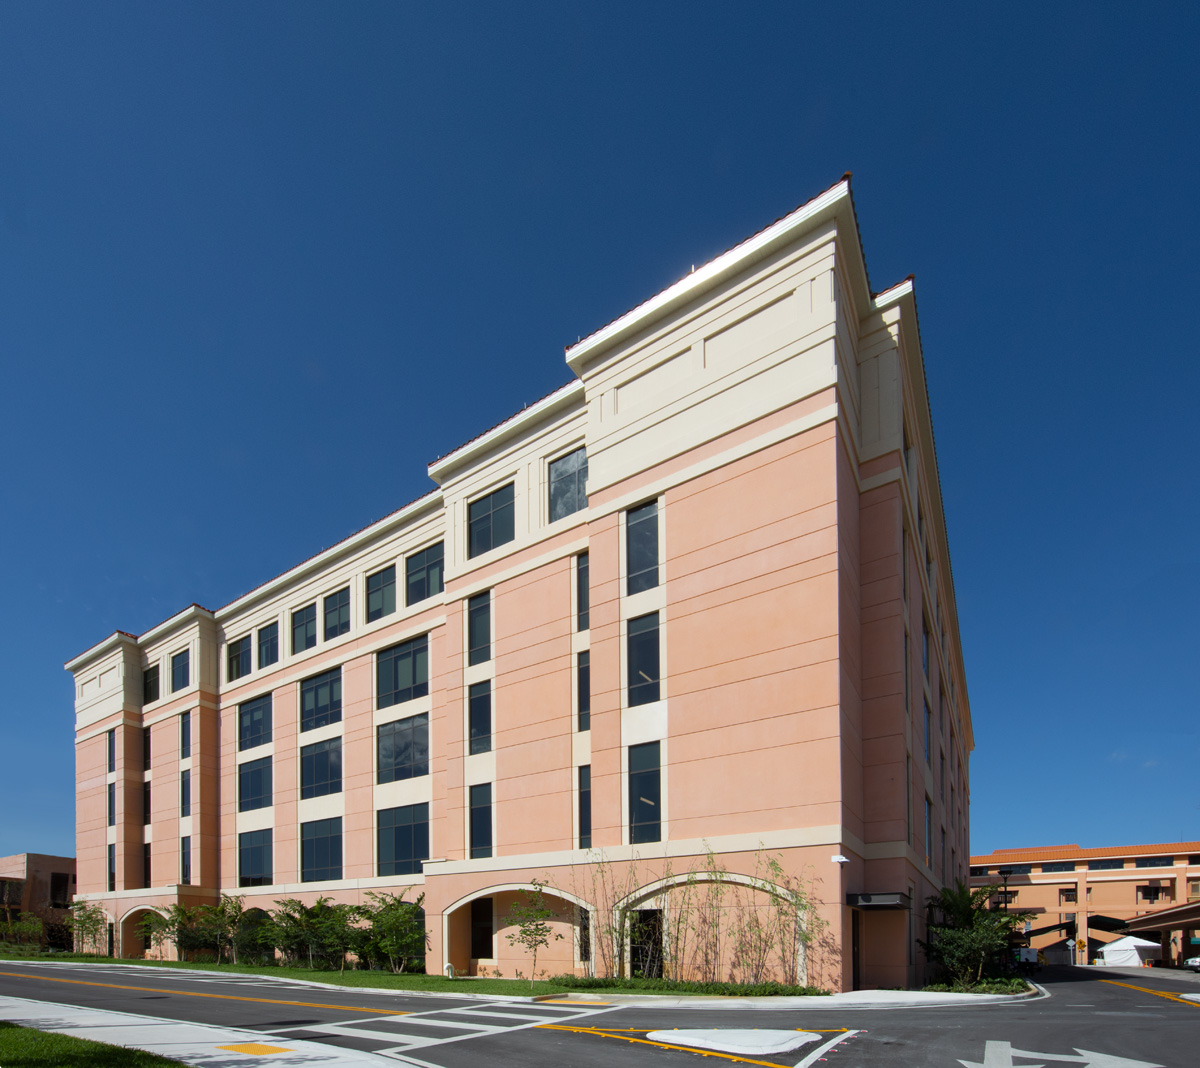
[[321, 768], [1058, 865], [403, 748], [255, 861], [112, 750], [481, 928], [381, 593], [185, 859], [942, 775], [1068, 897], [321, 700], [1015, 869], [321, 850], [185, 735], [641, 547], [490, 521], [568, 482], [337, 614], [145, 749], [582, 593], [928, 730], [145, 804], [112, 868], [185, 792], [180, 670], [423, 573], [925, 647], [146, 880], [479, 717], [112, 804], [150, 685], [642, 646], [479, 628], [1006, 897], [304, 628], [583, 682], [268, 645], [402, 672], [237, 659], [1155, 862], [645, 819], [585, 806], [403, 839], [979, 871], [254, 722], [481, 820], [928, 834], [1151, 895], [254, 784], [1106, 864]]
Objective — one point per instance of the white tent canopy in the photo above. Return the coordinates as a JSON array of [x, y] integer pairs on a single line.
[[1129, 952]]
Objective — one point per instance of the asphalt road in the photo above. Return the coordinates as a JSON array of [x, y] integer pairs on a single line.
[[1110, 1019]]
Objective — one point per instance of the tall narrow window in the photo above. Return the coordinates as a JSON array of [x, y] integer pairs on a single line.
[[942, 775], [268, 645], [481, 820], [583, 593], [481, 928], [304, 628], [381, 593], [112, 804], [925, 647], [645, 810], [237, 659], [928, 834], [423, 573], [185, 859], [642, 659], [145, 803], [585, 806], [337, 614], [254, 784], [145, 749], [928, 729], [490, 521], [112, 868], [321, 700], [402, 672], [185, 735], [321, 768], [112, 750], [185, 792], [583, 675], [254, 722], [403, 748], [480, 717], [147, 882], [180, 671], [568, 480], [321, 850], [641, 547], [255, 860], [403, 839], [479, 628], [150, 685]]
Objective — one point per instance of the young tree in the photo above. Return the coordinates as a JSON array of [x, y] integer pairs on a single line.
[[396, 931], [965, 936], [219, 922], [155, 928], [529, 917], [88, 924]]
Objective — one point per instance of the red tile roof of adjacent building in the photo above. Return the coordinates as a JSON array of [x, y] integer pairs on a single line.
[[1074, 852]]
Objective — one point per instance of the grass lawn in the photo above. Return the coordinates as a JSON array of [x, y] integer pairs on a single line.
[[24, 1047]]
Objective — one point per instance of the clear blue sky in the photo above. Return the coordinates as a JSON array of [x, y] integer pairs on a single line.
[[260, 263]]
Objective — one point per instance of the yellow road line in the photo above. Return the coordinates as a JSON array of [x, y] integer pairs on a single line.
[[1156, 993], [660, 1045], [197, 994]]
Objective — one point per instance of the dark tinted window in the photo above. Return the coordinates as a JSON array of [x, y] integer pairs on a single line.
[[185, 859], [146, 875], [304, 628], [479, 628], [585, 806], [381, 593], [481, 820], [112, 750], [584, 684], [1155, 862], [403, 748], [112, 867], [150, 685], [402, 672], [480, 717], [337, 613], [254, 722], [321, 768], [424, 573], [255, 863], [145, 748], [568, 480], [643, 659], [403, 839], [1106, 864], [238, 658], [254, 784], [644, 807], [481, 928], [321, 700], [582, 593], [185, 735], [268, 645], [185, 792], [490, 521], [145, 802], [1049, 866], [180, 673], [112, 804], [641, 547], [321, 850]]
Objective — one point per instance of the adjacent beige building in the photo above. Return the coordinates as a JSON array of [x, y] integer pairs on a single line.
[[698, 600]]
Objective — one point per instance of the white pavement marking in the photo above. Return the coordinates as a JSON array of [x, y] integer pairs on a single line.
[[758, 1041], [201, 1045], [824, 1048], [1001, 1054]]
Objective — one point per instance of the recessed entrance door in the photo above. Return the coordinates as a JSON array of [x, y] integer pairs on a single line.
[[645, 944]]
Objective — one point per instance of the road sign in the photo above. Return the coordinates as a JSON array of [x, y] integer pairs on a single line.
[[1081, 944]]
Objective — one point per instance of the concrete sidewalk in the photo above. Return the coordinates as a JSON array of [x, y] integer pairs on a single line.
[[198, 1044], [856, 999]]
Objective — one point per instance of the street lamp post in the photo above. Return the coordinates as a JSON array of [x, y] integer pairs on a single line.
[[1004, 873]]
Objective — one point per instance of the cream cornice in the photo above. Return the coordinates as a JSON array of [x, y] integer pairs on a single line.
[[110, 644]]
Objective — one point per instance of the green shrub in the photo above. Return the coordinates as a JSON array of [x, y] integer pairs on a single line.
[[748, 990], [984, 986]]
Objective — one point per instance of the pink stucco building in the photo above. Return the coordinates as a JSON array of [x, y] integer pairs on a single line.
[[697, 601]]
